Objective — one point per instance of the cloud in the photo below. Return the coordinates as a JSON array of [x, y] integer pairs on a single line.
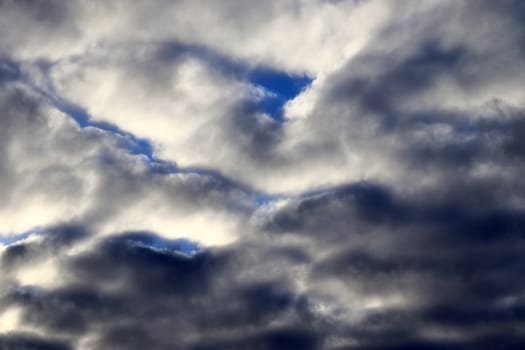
[[27, 342], [56, 171], [122, 279], [277, 175]]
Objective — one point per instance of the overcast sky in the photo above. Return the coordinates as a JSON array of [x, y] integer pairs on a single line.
[[262, 175]]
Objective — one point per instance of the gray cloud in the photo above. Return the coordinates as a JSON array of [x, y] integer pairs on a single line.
[[150, 202]]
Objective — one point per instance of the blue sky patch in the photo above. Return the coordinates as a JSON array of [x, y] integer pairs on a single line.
[[282, 88], [181, 245], [13, 238]]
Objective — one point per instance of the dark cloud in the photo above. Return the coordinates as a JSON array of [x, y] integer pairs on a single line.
[[138, 294], [383, 95], [136, 291], [458, 267], [28, 342], [54, 239]]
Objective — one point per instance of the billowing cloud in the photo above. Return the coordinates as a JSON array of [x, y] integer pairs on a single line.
[[262, 175]]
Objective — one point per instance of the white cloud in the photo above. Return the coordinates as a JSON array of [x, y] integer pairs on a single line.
[[10, 319], [57, 172]]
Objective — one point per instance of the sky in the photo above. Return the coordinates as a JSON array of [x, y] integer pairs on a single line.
[[262, 175]]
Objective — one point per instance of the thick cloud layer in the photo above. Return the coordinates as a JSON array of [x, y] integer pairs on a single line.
[[262, 175]]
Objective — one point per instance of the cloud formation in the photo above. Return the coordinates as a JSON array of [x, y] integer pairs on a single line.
[[262, 175]]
